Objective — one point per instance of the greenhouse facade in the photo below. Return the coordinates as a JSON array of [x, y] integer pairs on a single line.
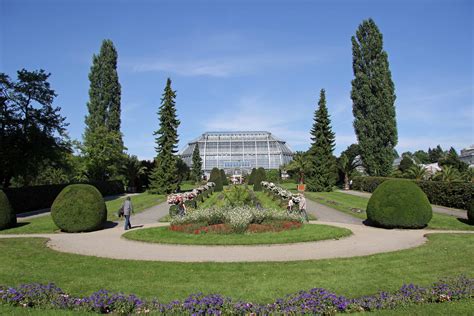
[[238, 152]]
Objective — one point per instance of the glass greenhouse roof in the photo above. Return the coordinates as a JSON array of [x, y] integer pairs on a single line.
[[238, 151]]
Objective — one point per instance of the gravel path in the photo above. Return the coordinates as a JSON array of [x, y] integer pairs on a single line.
[[436, 208], [327, 214], [108, 243]]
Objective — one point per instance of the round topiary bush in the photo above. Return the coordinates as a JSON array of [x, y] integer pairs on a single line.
[[399, 204], [7, 215], [79, 208], [470, 213]]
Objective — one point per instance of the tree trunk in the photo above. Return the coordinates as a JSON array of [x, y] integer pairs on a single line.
[[346, 182]]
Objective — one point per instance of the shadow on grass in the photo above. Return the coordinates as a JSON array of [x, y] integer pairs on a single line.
[[465, 221], [370, 223]]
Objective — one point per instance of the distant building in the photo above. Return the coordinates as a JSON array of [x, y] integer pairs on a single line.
[[238, 152], [467, 155]]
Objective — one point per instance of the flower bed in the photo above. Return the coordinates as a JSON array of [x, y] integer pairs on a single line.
[[189, 198], [268, 226], [238, 218], [279, 193], [315, 301]]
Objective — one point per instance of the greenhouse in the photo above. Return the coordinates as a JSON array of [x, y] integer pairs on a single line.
[[238, 152]]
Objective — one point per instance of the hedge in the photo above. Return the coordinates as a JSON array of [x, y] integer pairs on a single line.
[[79, 208], [399, 203], [7, 216], [34, 198], [449, 194]]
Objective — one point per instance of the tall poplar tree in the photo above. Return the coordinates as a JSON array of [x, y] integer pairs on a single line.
[[164, 179], [196, 170], [373, 98], [103, 144], [322, 175]]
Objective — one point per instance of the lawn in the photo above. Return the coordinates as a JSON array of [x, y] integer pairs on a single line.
[[28, 260], [45, 224], [345, 202], [306, 233]]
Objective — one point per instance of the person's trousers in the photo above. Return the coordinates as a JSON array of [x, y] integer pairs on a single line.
[[127, 222]]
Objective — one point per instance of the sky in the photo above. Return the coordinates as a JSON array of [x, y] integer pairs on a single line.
[[250, 65]]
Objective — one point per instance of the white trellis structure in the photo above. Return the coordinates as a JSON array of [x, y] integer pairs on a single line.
[[238, 152]]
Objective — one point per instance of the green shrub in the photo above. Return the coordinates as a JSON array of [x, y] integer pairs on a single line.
[[174, 210], [38, 197], [7, 215], [251, 177], [399, 204], [79, 208], [450, 194], [217, 179], [470, 213], [225, 181], [190, 204]]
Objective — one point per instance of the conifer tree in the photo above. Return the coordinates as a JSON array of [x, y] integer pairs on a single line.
[[322, 175], [102, 134], [373, 98], [252, 176], [217, 179], [196, 171], [225, 181], [164, 178]]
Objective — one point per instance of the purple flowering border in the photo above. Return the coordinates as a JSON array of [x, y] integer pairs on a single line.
[[315, 301]]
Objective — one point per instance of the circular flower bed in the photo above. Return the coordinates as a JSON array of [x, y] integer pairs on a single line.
[[264, 227], [235, 220]]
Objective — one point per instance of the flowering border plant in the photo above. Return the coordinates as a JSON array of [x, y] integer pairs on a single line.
[[316, 301]]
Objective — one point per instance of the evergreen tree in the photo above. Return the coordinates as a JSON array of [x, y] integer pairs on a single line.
[[225, 181], [436, 154], [196, 170], [102, 135], [260, 175], [452, 159], [217, 179], [164, 178], [252, 176], [322, 175], [373, 97], [406, 163]]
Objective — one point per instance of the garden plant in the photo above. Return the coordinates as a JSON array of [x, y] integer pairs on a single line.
[[79, 208], [399, 204]]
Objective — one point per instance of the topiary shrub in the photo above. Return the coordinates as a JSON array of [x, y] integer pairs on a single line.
[[470, 213], [217, 179], [399, 204], [7, 215], [79, 208]]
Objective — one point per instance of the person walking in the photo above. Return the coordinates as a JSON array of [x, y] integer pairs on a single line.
[[127, 211], [302, 206]]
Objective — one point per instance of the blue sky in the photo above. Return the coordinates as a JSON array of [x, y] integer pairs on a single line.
[[250, 65]]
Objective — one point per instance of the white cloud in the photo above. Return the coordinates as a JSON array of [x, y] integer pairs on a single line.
[[225, 66]]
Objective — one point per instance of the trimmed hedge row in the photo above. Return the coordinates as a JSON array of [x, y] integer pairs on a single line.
[[34, 198], [449, 194]]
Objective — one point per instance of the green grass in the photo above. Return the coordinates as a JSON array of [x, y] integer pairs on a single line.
[[45, 224], [308, 232], [187, 186], [345, 202], [26, 260]]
